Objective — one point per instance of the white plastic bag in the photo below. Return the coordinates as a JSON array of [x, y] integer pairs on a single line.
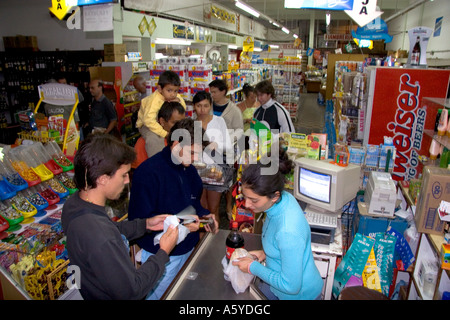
[[239, 280], [172, 220]]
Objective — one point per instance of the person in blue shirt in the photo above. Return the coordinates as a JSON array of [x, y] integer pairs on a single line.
[[290, 272], [168, 183]]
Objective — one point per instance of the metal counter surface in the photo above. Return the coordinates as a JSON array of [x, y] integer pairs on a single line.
[[202, 276]]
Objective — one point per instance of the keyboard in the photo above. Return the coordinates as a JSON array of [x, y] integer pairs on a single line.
[[321, 219]]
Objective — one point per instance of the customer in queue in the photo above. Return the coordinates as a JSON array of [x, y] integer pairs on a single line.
[[168, 183], [289, 272], [96, 244], [217, 133]]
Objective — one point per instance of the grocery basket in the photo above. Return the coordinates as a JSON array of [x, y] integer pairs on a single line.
[[217, 177]]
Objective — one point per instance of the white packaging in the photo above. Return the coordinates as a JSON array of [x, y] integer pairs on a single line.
[[381, 194]]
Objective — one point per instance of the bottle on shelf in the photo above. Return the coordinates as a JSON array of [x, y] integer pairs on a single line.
[[234, 240], [415, 54]]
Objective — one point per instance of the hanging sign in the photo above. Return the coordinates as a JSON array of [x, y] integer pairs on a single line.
[[314, 4], [98, 18], [375, 30], [59, 8], [364, 11]]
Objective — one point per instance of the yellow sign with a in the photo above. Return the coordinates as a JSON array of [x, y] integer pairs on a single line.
[[248, 44], [59, 8]]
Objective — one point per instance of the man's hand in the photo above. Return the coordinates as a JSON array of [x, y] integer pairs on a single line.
[[156, 223], [169, 239]]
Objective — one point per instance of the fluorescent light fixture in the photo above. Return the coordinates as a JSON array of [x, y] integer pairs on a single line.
[[172, 41], [285, 30], [230, 46], [295, 36], [274, 46], [246, 8], [257, 49], [276, 24]]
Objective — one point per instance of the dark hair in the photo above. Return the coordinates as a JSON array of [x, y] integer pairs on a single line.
[[168, 108], [267, 184], [219, 84], [265, 87], [200, 96], [187, 124], [246, 89], [100, 154], [169, 77]]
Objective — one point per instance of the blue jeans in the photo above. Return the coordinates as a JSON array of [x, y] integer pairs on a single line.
[[172, 268]]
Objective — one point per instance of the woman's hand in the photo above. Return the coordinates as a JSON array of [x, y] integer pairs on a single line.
[[156, 223], [243, 264], [259, 254]]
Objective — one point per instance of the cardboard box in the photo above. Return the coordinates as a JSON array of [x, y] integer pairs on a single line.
[[115, 57], [115, 49], [435, 188]]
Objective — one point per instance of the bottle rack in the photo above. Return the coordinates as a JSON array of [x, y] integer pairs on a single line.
[[22, 72]]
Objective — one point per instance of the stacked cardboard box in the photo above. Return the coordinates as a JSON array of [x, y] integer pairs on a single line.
[[115, 52]]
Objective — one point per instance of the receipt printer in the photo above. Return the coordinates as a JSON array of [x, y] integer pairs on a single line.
[[381, 194]]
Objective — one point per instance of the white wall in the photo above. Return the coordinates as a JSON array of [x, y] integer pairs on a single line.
[[32, 18], [423, 15]]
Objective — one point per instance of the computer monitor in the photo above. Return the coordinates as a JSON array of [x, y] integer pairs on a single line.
[[324, 186]]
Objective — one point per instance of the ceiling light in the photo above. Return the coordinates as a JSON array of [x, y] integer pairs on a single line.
[[295, 36], [276, 24], [274, 46], [247, 8], [257, 49], [328, 18], [230, 46], [285, 30], [172, 41]]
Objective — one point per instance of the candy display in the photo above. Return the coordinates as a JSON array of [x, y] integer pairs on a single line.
[[11, 215], [24, 170], [44, 157], [55, 151], [11, 177], [22, 205], [35, 198], [37, 258], [67, 182], [6, 190], [58, 188], [47, 193]]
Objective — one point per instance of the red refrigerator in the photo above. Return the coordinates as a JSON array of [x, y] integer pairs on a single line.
[[395, 109]]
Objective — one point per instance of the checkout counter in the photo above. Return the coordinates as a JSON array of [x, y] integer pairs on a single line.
[[202, 277]]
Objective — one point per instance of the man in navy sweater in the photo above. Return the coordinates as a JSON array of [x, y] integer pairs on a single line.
[[168, 183]]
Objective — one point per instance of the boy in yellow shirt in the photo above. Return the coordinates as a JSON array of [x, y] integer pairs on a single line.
[[168, 86]]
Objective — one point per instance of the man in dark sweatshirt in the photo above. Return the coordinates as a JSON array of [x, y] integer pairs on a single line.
[[96, 244], [168, 183]]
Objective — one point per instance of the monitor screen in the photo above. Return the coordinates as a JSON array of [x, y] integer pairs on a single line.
[[315, 185], [325, 186]]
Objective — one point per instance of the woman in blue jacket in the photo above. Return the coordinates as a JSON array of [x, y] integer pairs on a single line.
[[289, 271]]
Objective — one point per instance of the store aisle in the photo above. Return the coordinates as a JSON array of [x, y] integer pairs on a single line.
[[310, 115]]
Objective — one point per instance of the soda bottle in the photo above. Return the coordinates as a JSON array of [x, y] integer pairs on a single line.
[[234, 240], [415, 55]]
